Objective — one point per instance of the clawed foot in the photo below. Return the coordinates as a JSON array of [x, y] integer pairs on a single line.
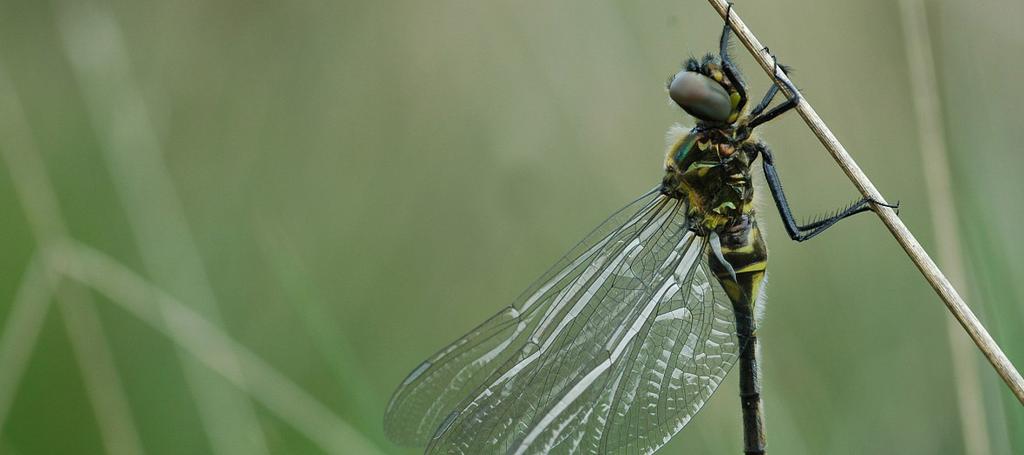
[[895, 206]]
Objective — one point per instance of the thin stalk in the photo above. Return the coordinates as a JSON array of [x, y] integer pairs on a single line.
[[82, 321], [21, 331], [98, 57], [209, 344], [939, 183], [899, 231], [334, 348]]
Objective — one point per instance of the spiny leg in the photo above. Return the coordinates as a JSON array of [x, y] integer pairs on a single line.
[[728, 67], [772, 91], [791, 100], [796, 231], [765, 101], [803, 232]]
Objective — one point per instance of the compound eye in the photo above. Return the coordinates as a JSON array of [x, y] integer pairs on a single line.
[[700, 96]]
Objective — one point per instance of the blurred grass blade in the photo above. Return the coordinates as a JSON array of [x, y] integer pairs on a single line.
[[35, 192], [99, 61], [305, 298], [21, 331], [995, 284], [96, 362], [942, 204], [210, 345]]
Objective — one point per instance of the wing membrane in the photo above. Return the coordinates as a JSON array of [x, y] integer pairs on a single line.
[[612, 351], [435, 387], [689, 349], [635, 402]]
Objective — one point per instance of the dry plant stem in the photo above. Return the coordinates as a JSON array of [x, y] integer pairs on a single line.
[[924, 263]]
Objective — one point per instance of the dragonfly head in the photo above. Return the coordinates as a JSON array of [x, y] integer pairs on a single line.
[[703, 91]]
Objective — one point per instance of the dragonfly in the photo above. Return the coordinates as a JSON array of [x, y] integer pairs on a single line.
[[618, 345]]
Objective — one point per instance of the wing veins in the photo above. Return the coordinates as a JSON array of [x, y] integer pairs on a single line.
[[641, 322], [551, 337]]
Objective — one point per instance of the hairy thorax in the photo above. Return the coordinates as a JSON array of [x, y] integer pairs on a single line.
[[711, 170]]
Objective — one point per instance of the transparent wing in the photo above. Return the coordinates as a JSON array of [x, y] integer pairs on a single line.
[[613, 351], [688, 348], [621, 361], [436, 387]]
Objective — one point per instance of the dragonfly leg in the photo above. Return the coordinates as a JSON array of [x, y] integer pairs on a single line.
[[743, 279], [765, 101], [757, 117], [801, 232], [728, 67]]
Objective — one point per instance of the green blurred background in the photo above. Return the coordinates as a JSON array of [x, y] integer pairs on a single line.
[[340, 188]]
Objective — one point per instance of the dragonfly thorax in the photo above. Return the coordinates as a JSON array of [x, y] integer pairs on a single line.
[[711, 172]]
